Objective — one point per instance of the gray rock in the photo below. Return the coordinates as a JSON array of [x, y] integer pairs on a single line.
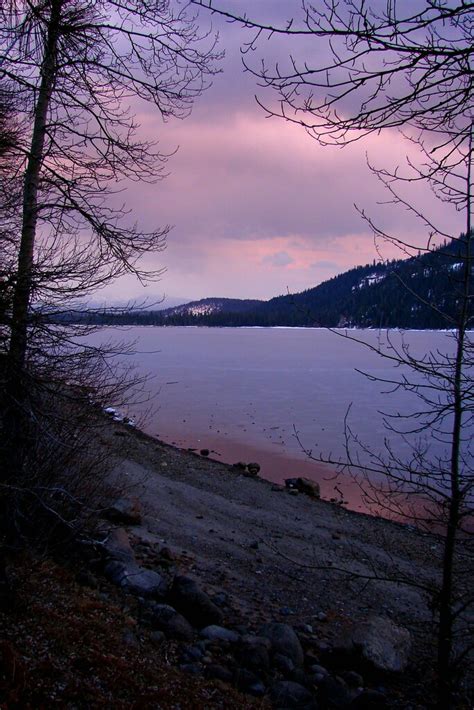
[[164, 618], [304, 485], [117, 546], [219, 633], [286, 694], [124, 511], [284, 641], [191, 601], [145, 583], [136, 580], [383, 644]]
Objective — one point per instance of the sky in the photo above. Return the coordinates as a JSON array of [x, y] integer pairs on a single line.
[[258, 208]]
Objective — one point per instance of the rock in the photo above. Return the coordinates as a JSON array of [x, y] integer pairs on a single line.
[[253, 468], [304, 485], [284, 641], [204, 452], [117, 546], [286, 694], [136, 580], [382, 644], [145, 583], [240, 465], [124, 511], [191, 601], [164, 618], [276, 488], [219, 633]]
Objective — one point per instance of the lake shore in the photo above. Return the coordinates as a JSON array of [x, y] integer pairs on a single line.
[[275, 555]]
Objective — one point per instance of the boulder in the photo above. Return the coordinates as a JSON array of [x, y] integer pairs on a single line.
[[286, 694], [304, 485], [117, 546], [191, 601], [219, 633], [284, 641], [253, 468], [136, 580], [125, 511], [382, 644], [166, 619]]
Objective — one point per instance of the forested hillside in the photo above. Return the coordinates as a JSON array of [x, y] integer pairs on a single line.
[[420, 292]]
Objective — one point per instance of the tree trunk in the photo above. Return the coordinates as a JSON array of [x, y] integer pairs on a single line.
[[446, 680], [23, 285], [15, 416]]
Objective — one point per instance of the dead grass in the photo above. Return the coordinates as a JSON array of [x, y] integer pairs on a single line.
[[63, 646]]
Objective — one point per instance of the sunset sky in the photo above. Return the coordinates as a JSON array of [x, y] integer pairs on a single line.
[[258, 208]]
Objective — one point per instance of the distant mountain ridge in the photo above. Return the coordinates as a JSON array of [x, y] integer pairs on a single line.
[[399, 293], [211, 306]]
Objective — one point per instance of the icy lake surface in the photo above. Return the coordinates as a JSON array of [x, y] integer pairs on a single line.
[[243, 392]]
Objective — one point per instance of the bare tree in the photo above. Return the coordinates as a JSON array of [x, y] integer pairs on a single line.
[[79, 71], [374, 66], [401, 66]]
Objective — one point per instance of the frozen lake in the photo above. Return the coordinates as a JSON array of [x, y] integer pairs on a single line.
[[242, 393]]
